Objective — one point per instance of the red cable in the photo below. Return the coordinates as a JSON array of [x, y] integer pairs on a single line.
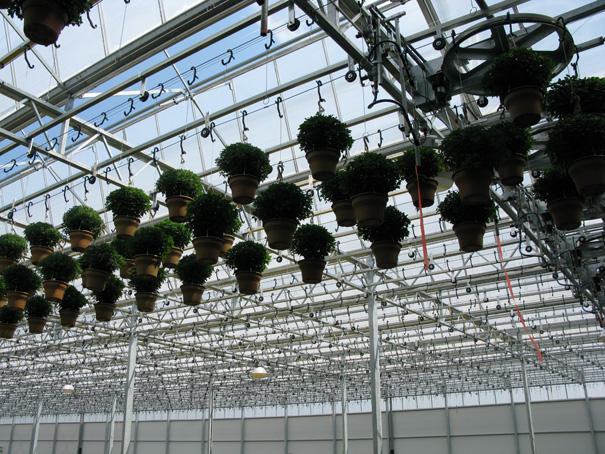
[[424, 249]]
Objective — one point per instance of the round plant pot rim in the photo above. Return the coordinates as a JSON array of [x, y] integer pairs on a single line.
[[97, 270], [249, 271], [422, 179], [281, 219], [206, 237], [314, 259], [37, 318], [147, 293], [17, 291], [105, 304], [181, 196], [70, 310], [386, 242], [126, 216], [386, 194], [199, 286], [581, 199], [54, 280], [335, 150], [481, 169], [42, 247], [467, 223], [249, 175]]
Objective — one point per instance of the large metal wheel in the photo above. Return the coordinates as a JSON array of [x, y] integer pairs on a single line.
[[465, 61]]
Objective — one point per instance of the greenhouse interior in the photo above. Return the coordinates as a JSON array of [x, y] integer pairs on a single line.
[[208, 248]]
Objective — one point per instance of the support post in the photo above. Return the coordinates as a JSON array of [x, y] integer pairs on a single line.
[[345, 422], [390, 423], [210, 415], [447, 421], [112, 427], [33, 446], [590, 420], [130, 377], [56, 432], [334, 448], [81, 434], [374, 367], [168, 432], [512, 405], [530, 423], [10, 440], [243, 433], [203, 431], [286, 435]]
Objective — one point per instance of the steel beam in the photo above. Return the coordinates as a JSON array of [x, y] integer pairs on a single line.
[[210, 415], [242, 433], [345, 417], [514, 415], [286, 434], [530, 422], [130, 381], [81, 434], [33, 446], [590, 420], [448, 427], [112, 424], [374, 365], [168, 420], [390, 424]]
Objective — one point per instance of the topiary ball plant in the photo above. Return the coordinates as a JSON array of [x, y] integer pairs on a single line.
[[312, 242], [12, 248], [180, 235], [20, 278], [9, 320], [127, 204], [211, 215], [513, 144], [179, 186], [59, 266], [70, 305], [572, 95], [101, 257], [42, 234], [148, 247], [333, 191], [425, 186], [193, 276], [38, 307], [147, 285], [248, 256], [564, 203], [112, 293], [82, 225]]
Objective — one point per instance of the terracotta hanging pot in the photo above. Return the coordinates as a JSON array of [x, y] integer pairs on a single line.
[[248, 282], [511, 170], [146, 301], [280, 232], [588, 174], [312, 270], [54, 290], [227, 243], [369, 208], [126, 226], [386, 254], [345, 215], [470, 235], [427, 192], [243, 188], [126, 268], [43, 20], [524, 104], [7, 331], [147, 266], [36, 325], [566, 212], [473, 185], [95, 280], [80, 239], [177, 207], [68, 317], [16, 300], [39, 253], [192, 294], [322, 163], [173, 257], [207, 249], [104, 312], [5, 262]]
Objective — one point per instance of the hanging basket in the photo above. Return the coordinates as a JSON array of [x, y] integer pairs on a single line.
[[126, 268], [322, 163], [566, 213], [177, 207], [54, 290], [248, 282], [588, 174], [470, 235], [192, 294], [16, 300], [243, 188], [511, 170], [80, 239], [227, 243], [369, 208], [147, 266], [427, 192], [386, 254], [68, 317], [95, 280], [312, 270], [104, 312], [343, 210], [43, 20], [145, 301], [39, 253], [524, 104], [126, 226], [172, 259], [207, 249], [473, 185], [36, 325], [280, 232], [7, 331], [5, 262]]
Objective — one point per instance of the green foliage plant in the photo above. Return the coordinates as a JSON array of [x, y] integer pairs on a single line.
[[73, 300], [248, 256], [324, 131], [393, 229], [566, 95], [455, 212], [371, 172], [175, 182], [82, 217], [9, 316], [211, 214], [148, 285], [244, 159], [332, 190], [121, 247], [21, 279], [190, 272], [38, 307], [510, 139], [469, 149], [150, 241], [74, 9], [312, 242], [554, 184], [431, 164], [282, 200], [517, 68], [128, 201], [576, 137], [42, 234], [2, 288], [102, 257], [12, 246], [59, 267], [112, 293], [180, 235]]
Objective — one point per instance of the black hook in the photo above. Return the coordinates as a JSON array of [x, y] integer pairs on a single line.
[[29, 205], [107, 170], [183, 152], [11, 214], [131, 107], [309, 22], [46, 199], [93, 26], [380, 142], [78, 129], [244, 113], [57, 46], [34, 156], [319, 84], [102, 121], [14, 161], [271, 41], [231, 57], [155, 161], [278, 101], [162, 90], [65, 189], [25, 49], [195, 76], [130, 161], [55, 142]]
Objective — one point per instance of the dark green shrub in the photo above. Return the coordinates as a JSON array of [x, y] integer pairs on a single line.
[[178, 232], [431, 164], [147, 285], [324, 131], [175, 182], [312, 242], [469, 149], [242, 158], [121, 247], [455, 212], [371, 172], [211, 215], [588, 92], [38, 307], [9, 316], [150, 241], [248, 256], [332, 190], [101, 257], [128, 201], [516, 68], [394, 228], [74, 8], [112, 293], [42, 234], [190, 272], [12, 246], [2, 288], [554, 184], [83, 217], [59, 267], [576, 137], [21, 279], [510, 139], [73, 300], [282, 200]]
